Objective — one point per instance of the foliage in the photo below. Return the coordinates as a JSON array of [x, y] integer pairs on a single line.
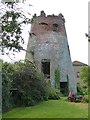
[[85, 74], [67, 89], [30, 84], [57, 78], [53, 94], [85, 89], [82, 90], [11, 31], [13, 21], [7, 75], [33, 18], [49, 82], [86, 99], [79, 90], [22, 85]]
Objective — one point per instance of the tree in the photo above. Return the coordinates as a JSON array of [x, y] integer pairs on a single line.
[[11, 36], [57, 78], [7, 77], [85, 77], [31, 85], [85, 74], [22, 85], [12, 22]]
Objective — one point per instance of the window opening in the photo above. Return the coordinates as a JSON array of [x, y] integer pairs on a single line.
[[55, 26], [42, 23], [46, 67], [78, 74]]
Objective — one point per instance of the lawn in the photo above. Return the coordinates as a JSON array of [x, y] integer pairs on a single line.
[[50, 109]]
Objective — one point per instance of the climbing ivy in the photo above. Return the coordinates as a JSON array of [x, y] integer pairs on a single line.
[[67, 83], [57, 78]]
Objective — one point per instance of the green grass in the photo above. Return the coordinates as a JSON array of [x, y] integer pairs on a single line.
[[49, 109]]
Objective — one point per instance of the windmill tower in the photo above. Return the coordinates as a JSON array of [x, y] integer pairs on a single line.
[[49, 49]]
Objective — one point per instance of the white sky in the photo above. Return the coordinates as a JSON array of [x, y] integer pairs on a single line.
[[76, 16]]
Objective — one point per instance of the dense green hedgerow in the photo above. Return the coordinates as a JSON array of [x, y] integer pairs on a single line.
[[24, 85], [31, 85]]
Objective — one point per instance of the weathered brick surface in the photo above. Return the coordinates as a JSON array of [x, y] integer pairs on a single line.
[[38, 28], [47, 44]]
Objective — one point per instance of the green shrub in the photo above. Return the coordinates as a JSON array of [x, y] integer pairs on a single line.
[[31, 85], [22, 85], [79, 90], [82, 90], [7, 75], [53, 94], [86, 99], [57, 78], [85, 90]]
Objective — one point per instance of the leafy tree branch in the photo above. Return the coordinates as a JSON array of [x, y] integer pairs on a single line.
[[12, 26]]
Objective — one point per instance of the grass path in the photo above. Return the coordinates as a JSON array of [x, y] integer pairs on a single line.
[[50, 109]]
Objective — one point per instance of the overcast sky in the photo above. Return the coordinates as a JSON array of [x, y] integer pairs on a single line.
[[76, 16]]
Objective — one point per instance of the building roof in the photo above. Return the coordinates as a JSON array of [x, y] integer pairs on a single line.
[[78, 63]]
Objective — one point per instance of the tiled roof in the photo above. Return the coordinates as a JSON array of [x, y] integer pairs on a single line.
[[78, 63]]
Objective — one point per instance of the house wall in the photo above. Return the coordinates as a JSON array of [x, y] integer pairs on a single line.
[[77, 68]]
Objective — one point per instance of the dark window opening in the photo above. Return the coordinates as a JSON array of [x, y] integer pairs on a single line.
[[46, 68], [78, 74], [64, 88], [55, 26], [43, 23], [32, 34]]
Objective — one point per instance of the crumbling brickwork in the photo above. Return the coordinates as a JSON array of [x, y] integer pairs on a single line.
[[48, 41]]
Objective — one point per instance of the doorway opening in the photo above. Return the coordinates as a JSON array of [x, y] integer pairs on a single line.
[[46, 67], [64, 88]]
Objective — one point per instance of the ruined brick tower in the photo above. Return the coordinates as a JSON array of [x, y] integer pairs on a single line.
[[49, 49]]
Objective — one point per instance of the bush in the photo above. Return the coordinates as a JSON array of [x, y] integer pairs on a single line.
[[24, 85], [31, 85], [7, 74], [53, 94], [82, 90], [79, 90], [86, 99], [85, 90]]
